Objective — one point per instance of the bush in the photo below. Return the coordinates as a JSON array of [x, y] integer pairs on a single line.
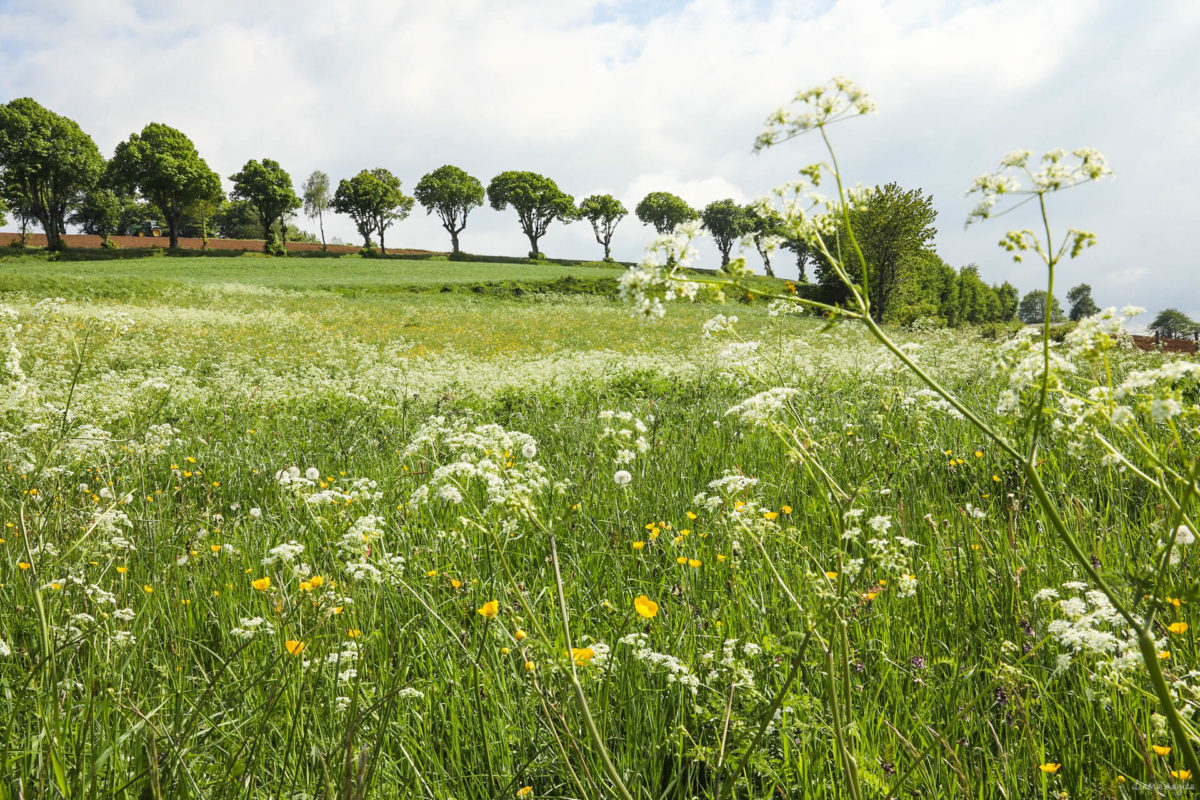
[[999, 330], [1060, 331], [536, 256], [17, 244], [109, 244], [273, 247], [368, 252], [459, 256]]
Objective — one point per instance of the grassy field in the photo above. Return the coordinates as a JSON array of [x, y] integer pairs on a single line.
[[286, 528]]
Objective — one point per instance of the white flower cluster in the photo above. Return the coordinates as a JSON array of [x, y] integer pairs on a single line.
[[1090, 626], [1054, 172], [765, 407], [487, 455], [251, 627], [677, 671], [653, 281], [730, 664], [818, 106], [624, 435]]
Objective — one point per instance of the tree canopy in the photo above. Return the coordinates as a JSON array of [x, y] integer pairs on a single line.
[[100, 213], [452, 194], [727, 222], [537, 200], [373, 199], [663, 211], [1082, 305], [268, 187], [316, 199], [604, 212], [164, 167], [1173, 324], [1032, 310], [48, 163], [766, 229], [891, 227]]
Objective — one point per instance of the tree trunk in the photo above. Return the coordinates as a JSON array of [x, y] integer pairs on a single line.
[[321, 223], [50, 226], [606, 254], [173, 232], [533, 245], [283, 230], [382, 246], [454, 241]]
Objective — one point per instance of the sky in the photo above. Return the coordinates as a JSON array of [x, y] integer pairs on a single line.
[[627, 97]]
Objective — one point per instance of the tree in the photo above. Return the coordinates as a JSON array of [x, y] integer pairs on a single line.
[[237, 219], [164, 167], [316, 200], [452, 194], [537, 200], [1009, 299], [765, 227], [205, 207], [99, 214], [891, 227], [373, 199], [1082, 305], [727, 222], [604, 212], [48, 163], [268, 187], [1171, 323], [804, 254], [1032, 310], [664, 211], [3, 209], [977, 302]]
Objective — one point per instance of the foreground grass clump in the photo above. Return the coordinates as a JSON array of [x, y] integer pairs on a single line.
[[274, 543]]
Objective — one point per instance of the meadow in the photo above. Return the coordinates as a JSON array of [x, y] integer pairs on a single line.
[[299, 529]]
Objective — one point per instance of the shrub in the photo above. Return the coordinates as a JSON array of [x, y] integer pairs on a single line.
[[273, 247]]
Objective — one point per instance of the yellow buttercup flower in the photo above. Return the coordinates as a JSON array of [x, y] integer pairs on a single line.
[[520, 635], [148, 588], [489, 609], [786, 509], [645, 607], [316, 581], [1161, 750], [638, 545], [691, 515], [693, 562], [831, 575], [294, 646], [1049, 767], [681, 560], [529, 666], [1178, 627], [353, 633], [771, 515], [262, 584], [525, 791], [24, 564], [1182, 774], [582, 655]]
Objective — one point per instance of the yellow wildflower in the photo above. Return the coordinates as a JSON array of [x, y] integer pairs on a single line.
[[262, 584], [489, 609], [645, 606]]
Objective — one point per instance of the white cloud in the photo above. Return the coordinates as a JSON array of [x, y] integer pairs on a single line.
[[606, 96]]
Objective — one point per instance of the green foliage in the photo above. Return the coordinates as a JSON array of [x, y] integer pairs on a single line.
[[892, 226], [727, 222], [663, 211], [3, 209], [450, 193], [373, 199], [237, 219], [316, 199], [1082, 305], [164, 167], [1009, 299], [273, 245], [766, 229], [1032, 310], [1173, 324], [604, 212], [537, 200], [47, 163], [99, 214], [268, 187]]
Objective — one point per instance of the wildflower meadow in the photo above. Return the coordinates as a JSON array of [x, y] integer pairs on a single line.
[[319, 530]]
